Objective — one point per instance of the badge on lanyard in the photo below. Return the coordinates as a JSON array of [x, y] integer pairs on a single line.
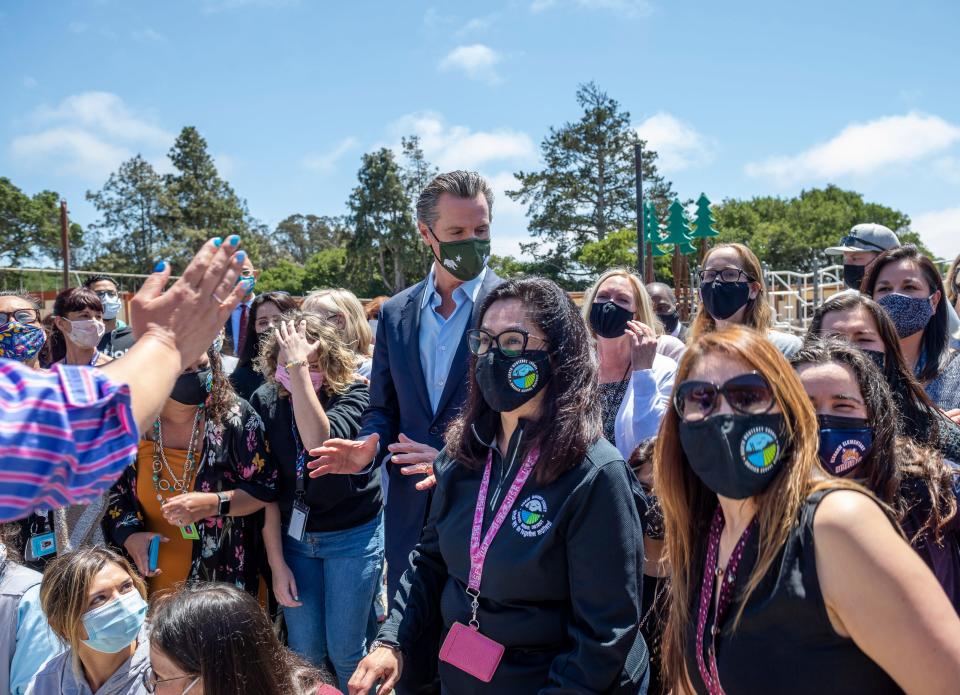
[[189, 532], [41, 545], [298, 519]]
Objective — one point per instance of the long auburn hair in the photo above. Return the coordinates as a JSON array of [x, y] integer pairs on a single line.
[[758, 315], [569, 421], [892, 457], [922, 419], [935, 347], [688, 505], [641, 298]]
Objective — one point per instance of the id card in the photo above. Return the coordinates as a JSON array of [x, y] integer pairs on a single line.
[[471, 652], [41, 545], [298, 520], [189, 532]]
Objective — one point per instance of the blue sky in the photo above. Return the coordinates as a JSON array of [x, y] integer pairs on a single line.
[[740, 98]]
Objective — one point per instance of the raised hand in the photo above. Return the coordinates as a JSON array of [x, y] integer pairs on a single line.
[[643, 345], [343, 456]]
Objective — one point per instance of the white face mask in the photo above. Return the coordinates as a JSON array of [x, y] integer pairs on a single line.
[[111, 306], [86, 333]]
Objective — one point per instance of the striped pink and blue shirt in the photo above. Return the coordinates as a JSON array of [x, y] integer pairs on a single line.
[[65, 436]]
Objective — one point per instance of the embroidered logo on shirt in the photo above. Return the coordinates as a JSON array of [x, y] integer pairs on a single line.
[[759, 449], [523, 376], [530, 519]]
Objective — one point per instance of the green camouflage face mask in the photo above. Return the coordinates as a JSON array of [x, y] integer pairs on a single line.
[[463, 259]]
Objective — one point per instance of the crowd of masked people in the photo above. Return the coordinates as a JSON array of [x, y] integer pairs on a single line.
[[477, 486]]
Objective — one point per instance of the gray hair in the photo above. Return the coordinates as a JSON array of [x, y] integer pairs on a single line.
[[25, 296], [463, 184]]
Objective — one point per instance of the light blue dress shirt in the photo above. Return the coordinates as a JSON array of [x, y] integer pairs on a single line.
[[440, 337], [35, 642]]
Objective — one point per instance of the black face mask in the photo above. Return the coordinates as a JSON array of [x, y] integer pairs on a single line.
[[723, 299], [669, 321], [844, 442], [609, 320], [192, 388], [879, 358], [853, 275], [735, 455], [506, 383]]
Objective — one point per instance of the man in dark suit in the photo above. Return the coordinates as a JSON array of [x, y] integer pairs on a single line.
[[236, 328], [419, 379], [665, 305]]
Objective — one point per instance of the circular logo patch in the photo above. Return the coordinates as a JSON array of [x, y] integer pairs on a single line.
[[847, 456], [530, 519], [759, 449], [523, 376]]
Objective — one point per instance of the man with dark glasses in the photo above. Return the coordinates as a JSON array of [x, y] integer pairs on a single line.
[[860, 247]]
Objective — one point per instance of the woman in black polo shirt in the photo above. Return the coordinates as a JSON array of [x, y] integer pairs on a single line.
[[325, 547], [526, 474]]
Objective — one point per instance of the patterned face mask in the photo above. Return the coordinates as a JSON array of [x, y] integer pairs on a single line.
[[20, 341]]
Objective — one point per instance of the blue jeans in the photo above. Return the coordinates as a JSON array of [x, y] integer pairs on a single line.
[[336, 574]]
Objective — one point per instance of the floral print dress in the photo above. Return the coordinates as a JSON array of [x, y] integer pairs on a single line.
[[234, 457]]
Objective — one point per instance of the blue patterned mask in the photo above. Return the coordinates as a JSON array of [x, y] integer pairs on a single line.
[[909, 314], [20, 341]]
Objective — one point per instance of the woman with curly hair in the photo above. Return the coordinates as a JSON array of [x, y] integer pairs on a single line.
[[860, 438], [324, 538], [200, 476]]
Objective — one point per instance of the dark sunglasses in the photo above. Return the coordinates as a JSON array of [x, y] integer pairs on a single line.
[[858, 242], [511, 343], [749, 394]]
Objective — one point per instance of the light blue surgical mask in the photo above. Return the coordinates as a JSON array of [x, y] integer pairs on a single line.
[[248, 282], [115, 625]]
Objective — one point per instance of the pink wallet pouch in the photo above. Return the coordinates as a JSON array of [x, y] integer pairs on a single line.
[[471, 652]]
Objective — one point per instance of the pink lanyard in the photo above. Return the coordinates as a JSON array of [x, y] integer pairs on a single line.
[[708, 670], [478, 550]]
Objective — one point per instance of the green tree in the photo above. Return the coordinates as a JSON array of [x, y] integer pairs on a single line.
[[416, 172], [135, 219], [587, 188], [385, 240], [30, 226], [619, 250], [284, 275], [301, 236], [786, 233]]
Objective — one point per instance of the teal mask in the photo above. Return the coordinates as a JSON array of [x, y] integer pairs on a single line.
[[465, 259], [116, 624]]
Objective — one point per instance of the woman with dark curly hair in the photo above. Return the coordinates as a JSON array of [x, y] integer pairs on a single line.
[[200, 476], [860, 438]]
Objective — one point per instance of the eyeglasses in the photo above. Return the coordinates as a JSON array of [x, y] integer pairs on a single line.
[[511, 343], [20, 316], [858, 242], [103, 294], [725, 275], [150, 680], [749, 394]]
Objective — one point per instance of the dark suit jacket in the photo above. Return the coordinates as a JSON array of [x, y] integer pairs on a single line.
[[228, 336], [399, 402]]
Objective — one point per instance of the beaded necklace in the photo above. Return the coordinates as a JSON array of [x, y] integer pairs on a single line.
[[178, 486]]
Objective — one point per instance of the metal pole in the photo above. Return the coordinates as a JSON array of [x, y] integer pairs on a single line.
[[641, 236], [65, 244]]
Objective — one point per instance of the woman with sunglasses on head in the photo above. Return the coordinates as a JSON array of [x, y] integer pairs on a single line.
[[77, 328], [635, 376], [733, 293], [95, 602], [201, 475], [213, 639], [860, 439], [909, 288], [770, 557], [526, 489], [265, 311], [342, 308], [863, 323]]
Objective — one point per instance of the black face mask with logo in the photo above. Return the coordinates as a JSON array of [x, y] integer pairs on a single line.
[[506, 383], [735, 455]]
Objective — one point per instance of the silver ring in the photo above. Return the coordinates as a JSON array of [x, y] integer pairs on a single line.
[[214, 295]]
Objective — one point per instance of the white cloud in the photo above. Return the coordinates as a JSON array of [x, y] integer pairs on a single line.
[[940, 231], [678, 144], [477, 61], [458, 147], [328, 160], [627, 8], [88, 135], [863, 148]]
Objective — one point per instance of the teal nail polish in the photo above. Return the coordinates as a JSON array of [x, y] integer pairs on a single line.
[[158, 268], [217, 241], [234, 240], [240, 256]]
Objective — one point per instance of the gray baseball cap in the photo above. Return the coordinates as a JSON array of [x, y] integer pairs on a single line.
[[866, 237]]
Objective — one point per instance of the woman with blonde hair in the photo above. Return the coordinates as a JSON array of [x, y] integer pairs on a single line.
[[783, 580], [635, 376], [342, 308], [95, 602], [324, 538], [733, 292]]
